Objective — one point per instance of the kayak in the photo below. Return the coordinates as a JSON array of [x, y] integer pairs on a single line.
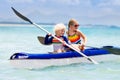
[[70, 54], [40, 60]]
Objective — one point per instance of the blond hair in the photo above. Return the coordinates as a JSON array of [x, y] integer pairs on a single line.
[[59, 26], [71, 22]]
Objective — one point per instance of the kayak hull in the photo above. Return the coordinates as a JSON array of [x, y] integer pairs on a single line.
[[42, 63], [41, 60], [70, 54]]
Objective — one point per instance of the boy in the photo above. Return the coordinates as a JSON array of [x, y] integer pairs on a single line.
[[59, 30]]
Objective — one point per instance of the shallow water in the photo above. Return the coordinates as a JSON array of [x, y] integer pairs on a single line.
[[24, 39]]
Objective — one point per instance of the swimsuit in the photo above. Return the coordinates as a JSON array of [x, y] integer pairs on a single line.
[[56, 43], [74, 39]]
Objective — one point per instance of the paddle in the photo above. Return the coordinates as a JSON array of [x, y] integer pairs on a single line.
[[28, 20], [41, 39], [111, 49]]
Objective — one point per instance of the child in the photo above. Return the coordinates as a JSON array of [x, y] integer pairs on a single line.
[[75, 36], [59, 30]]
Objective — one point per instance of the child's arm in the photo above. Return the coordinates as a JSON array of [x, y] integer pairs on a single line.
[[83, 37], [48, 39], [66, 40]]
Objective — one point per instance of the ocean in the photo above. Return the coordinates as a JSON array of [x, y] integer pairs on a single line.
[[24, 39]]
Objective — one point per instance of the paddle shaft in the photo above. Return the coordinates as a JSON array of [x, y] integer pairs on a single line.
[[28, 20]]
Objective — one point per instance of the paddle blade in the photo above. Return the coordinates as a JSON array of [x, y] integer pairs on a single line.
[[21, 16], [41, 39], [92, 61], [112, 50]]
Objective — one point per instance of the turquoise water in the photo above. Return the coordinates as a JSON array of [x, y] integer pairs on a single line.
[[24, 39]]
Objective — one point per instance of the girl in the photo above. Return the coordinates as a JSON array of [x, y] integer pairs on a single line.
[[75, 36]]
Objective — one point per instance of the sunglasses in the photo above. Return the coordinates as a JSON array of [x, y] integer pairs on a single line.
[[76, 25]]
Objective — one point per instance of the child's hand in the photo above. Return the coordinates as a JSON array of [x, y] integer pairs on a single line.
[[82, 47], [64, 43], [49, 34]]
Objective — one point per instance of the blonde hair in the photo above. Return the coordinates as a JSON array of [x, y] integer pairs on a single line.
[[59, 26], [71, 22]]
